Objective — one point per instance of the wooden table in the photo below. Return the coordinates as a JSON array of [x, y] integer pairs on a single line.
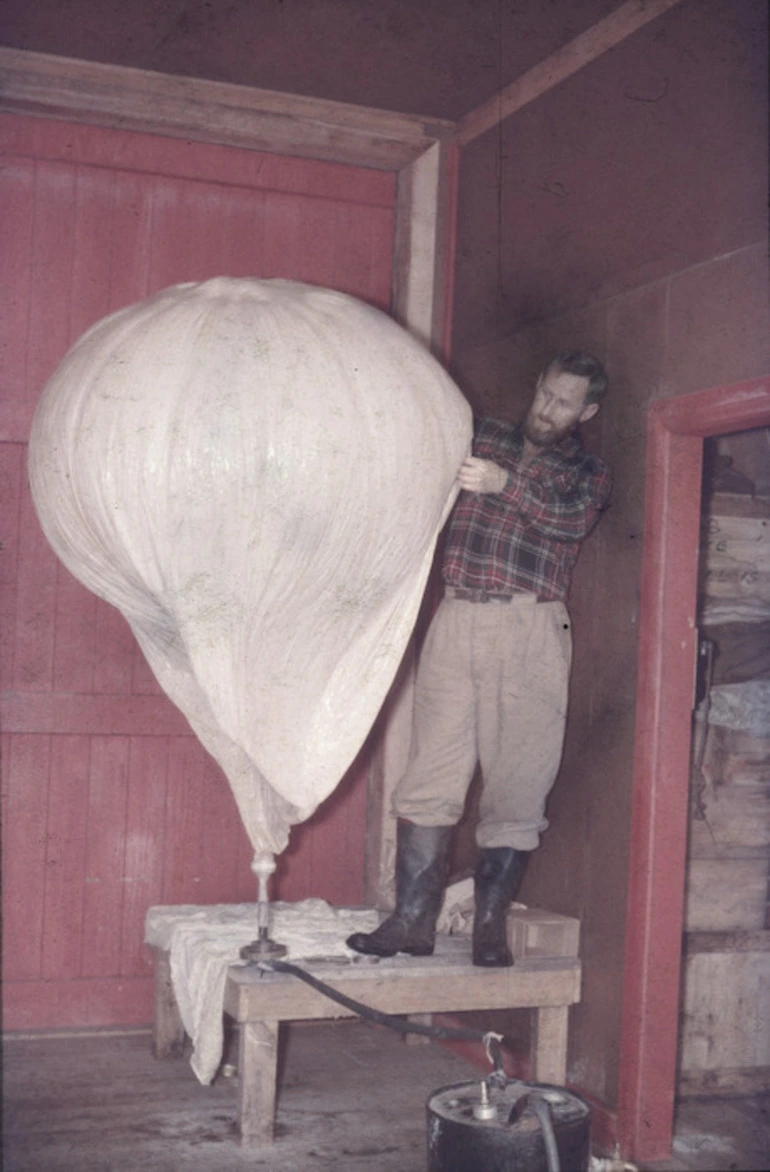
[[443, 983]]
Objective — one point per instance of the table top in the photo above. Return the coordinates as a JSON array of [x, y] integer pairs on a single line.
[[446, 981]]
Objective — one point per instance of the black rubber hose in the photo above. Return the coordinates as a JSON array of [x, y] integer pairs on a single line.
[[533, 1101], [443, 1033], [540, 1107]]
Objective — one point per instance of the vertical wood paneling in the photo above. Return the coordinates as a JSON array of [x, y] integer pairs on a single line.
[[114, 646], [35, 602], [187, 232], [351, 870], [130, 239], [74, 635], [292, 879], [17, 186], [221, 831], [11, 472], [282, 253], [354, 262], [25, 765], [246, 889], [183, 821], [329, 840], [98, 828], [145, 846], [317, 244], [66, 821], [381, 231], [325, 856], [243, 247], [92, 231], [52, 259], [143, 682], [105, 856]]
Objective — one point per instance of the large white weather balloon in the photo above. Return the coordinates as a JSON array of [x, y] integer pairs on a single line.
[[255, 473]]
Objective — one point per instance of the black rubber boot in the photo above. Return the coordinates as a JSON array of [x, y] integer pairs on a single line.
[[499, 872], [422, 856]]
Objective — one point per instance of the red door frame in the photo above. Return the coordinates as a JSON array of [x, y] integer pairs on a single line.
[[667, 643]]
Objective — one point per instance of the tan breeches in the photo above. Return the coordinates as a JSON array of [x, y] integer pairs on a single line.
[[491, 688]]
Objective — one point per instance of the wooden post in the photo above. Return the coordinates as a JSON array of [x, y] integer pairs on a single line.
[[423, 264], [257, 1071], [167, 1029], [549, 1044]]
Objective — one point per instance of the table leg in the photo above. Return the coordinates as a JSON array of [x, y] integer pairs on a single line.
[[549, 1045], [257, 1071], [167, 1028]]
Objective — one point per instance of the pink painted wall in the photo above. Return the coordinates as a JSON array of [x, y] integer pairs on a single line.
[[110, 805], [632, 222]]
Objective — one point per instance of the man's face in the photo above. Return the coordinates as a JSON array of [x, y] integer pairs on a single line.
[[558, 407]]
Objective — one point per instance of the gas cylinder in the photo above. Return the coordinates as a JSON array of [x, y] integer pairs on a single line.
[[500, 1125]]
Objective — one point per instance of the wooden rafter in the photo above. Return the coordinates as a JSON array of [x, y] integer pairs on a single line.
[[597, 39]]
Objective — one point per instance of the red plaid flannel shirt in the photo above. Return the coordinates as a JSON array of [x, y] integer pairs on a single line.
[[527, 537]]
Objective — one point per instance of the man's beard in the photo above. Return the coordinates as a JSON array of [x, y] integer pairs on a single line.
[[544, 436]]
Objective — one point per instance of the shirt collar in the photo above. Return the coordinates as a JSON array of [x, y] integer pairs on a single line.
[[572, 445]]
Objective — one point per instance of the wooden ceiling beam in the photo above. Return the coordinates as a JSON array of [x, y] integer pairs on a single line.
[[210, 111], [597, 39]]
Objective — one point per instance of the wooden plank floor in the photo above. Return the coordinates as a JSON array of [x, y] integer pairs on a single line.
[[719, 1135], [352, 1099]]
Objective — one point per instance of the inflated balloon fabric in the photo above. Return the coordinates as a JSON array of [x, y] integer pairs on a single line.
[[255, 473]]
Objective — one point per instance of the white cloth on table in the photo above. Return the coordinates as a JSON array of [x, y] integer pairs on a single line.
[[203, 942], [457, 908]]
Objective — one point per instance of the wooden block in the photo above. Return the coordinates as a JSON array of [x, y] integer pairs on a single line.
[[736, 941], [734, 815], [725, 1019], [737, 557], [733, 1081], [730, 746], [533, 932], [726, 892]]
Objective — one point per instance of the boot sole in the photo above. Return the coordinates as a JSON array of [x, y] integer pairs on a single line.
[[359, 943]]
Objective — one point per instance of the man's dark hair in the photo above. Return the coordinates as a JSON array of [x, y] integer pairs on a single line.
[[585, 366]]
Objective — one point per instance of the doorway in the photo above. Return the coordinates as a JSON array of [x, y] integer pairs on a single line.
[[667, 660]]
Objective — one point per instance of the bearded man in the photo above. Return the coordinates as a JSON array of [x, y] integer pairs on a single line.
[[492, 681]]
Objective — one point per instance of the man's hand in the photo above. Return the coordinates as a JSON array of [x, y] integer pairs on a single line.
[[477, 475]]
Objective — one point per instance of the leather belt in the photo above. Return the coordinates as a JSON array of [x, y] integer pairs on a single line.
[[477, 595]]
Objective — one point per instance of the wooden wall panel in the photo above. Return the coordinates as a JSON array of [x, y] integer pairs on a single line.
[[105, 871], [145, 845], [11, 476], [114, 647], [66, 826], [35, 610], [110, 804], [243, 247], [130, 238], [92, 261], [17, 185], [26, 762], [74, 635], [51, 262]]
